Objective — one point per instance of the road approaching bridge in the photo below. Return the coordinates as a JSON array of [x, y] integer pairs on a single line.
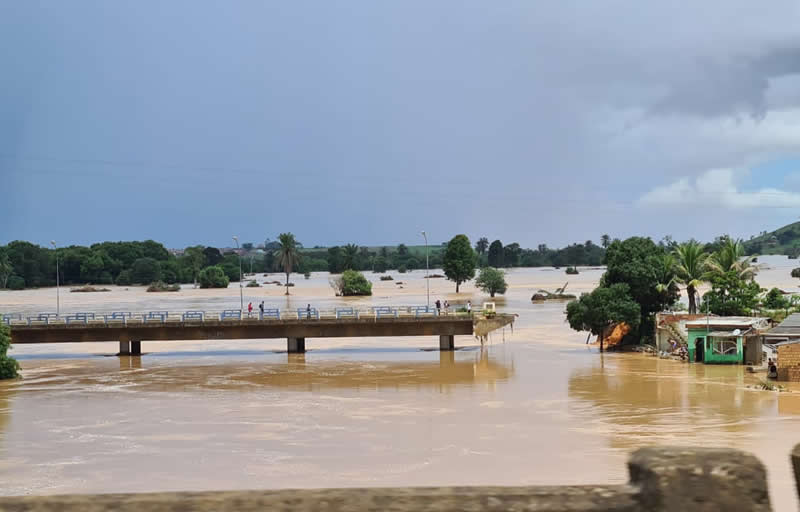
[[130, 330]]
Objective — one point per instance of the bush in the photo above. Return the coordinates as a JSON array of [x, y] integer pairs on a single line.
[[105, 278], [213, 277], [16, 283], [9, 368], [351, 283], [124, 278], [161, 286], [253, 284], [145, 270], [796, 272], [775, 300], [572, 270], [387, 278], [491, 281], [402, 269], [307, 275]]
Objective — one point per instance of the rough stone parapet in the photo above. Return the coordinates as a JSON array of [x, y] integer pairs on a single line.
[[661, 480]]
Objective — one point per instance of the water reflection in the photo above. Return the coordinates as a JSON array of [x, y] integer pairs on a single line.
[[641, 400]]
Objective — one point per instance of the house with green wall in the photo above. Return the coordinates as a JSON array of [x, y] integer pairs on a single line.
[[726, 339]]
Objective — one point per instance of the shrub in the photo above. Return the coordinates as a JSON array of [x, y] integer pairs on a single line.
[[307, 275], [213, 277], [402, 269], [124, 278], [351, 283], [775, 300], [253, 284], [387, 278], [105, 278], [9, 367], [796, 272], [491, 281], [16, 283], [161, 286], [145, 270], [571, 270]]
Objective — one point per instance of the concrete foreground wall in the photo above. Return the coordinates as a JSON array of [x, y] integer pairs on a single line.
[[661, 479]]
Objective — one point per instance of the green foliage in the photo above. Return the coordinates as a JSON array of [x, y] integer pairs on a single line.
[[496, 255], [351, 283], [459, 260], [572, 271], [287, 255], [379, 264], [254, 284], [482, 245], [796, 272], [6, 269], [731, 295], [124, 278], [775, 299], [691, 269], [16, 283], [491, 281], [639, 263], [402, 269], [602, 308], [9, 367], [145, 270], [213, 277], [161, 286]]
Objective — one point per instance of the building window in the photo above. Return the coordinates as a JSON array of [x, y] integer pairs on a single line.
[[724, 346]]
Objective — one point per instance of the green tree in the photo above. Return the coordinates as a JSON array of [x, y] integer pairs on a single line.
[[287, 254], [638, 262], [731, 294], [124, 278], [496, 254], [379, 264], [354, 283], [350, 256], [6, 269], [602, 308], [335, 260], [605, 241], [482, 246], [775, 300], [213, 277], [691, 269], [459, 260], [491, 281], [213, 256], [145, 271], [9, 367], [731, 257], [402, 250]]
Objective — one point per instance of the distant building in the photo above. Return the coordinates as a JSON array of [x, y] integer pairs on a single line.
[[783, 345]]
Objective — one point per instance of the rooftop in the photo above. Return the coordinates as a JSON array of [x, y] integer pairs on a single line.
[[732, 322]]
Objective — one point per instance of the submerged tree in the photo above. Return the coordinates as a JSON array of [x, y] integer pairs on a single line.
[[459, 260], [9, 367], [602, 308], [491, 281], [287, 254], [496, 254]]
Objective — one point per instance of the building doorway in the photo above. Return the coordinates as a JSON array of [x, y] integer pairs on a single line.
[[699, 348]]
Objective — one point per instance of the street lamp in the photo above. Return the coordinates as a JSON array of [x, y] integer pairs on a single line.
[[58, 291], [241, 298], [427, 278]]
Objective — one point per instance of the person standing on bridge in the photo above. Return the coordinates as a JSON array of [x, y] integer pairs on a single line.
[[308, 312], [261, 308], [438, 306], [469, 307], [249, 309]]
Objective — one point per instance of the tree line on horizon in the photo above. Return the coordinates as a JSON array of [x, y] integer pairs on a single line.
[[27, 265]]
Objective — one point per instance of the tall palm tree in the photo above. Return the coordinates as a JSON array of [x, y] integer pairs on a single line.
[[350, 256], [731, 257], [287, 254], [665, 272], [691, 269]]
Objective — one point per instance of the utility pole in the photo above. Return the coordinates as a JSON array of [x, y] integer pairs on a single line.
[[427, 269], [241, 297], [58, 291]]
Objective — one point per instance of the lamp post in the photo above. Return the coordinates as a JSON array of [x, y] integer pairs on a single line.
[[241, 298], [58, 287], [427, 277]]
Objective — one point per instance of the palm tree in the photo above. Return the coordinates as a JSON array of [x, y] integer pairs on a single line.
[[691, 269], [731, 257], [287, 254], [350, 256], [605, 241], [665, 272]]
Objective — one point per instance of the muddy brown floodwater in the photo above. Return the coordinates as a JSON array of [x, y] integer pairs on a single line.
[[532, 406]]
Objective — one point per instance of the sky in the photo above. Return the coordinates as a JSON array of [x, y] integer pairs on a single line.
[[191, 121]]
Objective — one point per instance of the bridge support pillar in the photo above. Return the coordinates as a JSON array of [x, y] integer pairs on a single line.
[[447, 342], [124, 348], [136, 348], [295, 345]]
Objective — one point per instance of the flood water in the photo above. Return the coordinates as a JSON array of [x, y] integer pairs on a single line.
[[534, 405]]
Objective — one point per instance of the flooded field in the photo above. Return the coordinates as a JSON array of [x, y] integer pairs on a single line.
[[534, 405]]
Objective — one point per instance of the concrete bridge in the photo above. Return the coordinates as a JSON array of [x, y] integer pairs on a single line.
[[130, 330]]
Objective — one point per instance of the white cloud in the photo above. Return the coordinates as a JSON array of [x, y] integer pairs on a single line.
[[717, 187]]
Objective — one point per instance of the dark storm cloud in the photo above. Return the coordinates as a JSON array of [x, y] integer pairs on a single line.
[[366, 121]]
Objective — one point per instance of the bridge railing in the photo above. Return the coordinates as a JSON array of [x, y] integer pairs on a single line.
[[194, 316]]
